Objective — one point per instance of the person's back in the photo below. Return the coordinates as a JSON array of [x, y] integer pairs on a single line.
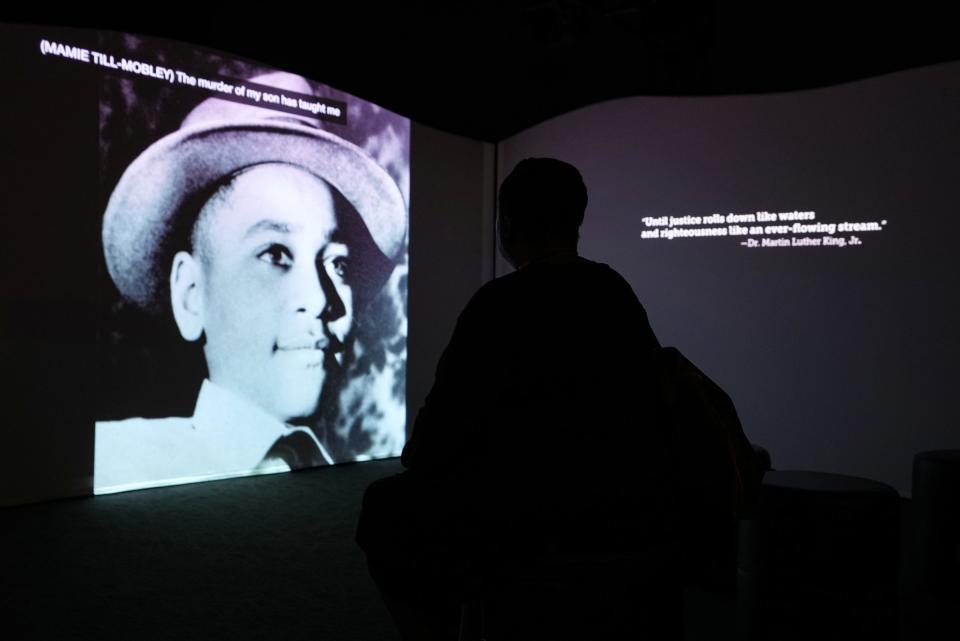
[[544, 400], [539, 435]]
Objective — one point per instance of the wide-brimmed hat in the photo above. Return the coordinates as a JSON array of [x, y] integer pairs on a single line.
[[220, 138]]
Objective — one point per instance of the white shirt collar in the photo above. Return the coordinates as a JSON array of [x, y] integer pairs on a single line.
[[240, 431]]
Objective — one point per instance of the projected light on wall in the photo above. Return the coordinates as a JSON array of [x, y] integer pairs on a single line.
[[254, 238], [798, 247]]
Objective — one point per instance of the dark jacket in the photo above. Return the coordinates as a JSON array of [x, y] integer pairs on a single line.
[[541, 418]]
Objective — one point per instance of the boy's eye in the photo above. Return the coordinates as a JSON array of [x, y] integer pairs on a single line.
[[339, 266], [276, 255]]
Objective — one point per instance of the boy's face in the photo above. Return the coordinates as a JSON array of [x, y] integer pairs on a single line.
[[276, 293]]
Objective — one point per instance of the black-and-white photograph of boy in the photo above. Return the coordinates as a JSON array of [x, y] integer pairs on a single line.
[[277, 249]]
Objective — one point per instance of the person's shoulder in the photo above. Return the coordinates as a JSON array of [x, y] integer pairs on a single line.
[[503, 282], [599, 275], [599, 269], [136, 437], [139, 427], [495, 289], [128, 453]]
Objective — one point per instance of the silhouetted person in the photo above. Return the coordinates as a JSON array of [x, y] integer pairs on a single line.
[[538, 437]]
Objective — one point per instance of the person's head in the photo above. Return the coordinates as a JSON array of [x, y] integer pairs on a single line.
[[264, 236], [541, 207], [267, 286]]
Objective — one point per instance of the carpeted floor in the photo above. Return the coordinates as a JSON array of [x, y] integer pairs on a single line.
[[253, 558]]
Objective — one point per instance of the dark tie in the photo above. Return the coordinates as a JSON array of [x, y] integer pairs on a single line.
[[297, 450]]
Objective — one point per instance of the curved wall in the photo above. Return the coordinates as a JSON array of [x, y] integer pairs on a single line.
[[838, 344]]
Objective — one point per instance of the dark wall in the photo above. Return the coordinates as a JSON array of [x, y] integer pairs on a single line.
[[451, 245]]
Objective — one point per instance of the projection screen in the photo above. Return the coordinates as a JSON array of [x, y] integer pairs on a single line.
[[234, 239]]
